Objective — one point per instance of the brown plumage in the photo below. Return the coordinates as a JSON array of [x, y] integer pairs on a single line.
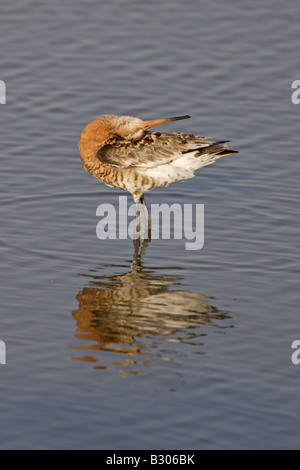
[[121, 153]]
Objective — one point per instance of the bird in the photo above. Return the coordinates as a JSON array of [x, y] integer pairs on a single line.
[[122, 153]]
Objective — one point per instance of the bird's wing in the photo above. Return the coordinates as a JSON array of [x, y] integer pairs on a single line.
[[155, 148]]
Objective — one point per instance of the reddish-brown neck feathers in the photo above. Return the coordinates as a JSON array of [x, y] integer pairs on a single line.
[[93, 137]]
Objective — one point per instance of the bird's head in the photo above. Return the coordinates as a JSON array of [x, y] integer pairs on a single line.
[[132, 128]]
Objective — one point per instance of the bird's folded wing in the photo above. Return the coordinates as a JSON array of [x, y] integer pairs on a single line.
[[155, 148]]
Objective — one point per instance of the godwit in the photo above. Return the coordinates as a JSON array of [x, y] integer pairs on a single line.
[[121, 153]]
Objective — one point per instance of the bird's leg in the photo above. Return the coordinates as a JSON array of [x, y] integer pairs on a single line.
[[136, 244], [147, 219], [137, 230]]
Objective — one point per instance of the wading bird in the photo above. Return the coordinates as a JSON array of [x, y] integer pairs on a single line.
[[121, 153]]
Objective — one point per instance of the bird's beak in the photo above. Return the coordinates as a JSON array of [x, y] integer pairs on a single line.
[[156, 122]]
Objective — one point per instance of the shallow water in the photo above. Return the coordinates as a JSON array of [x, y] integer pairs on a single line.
[[168, 348]]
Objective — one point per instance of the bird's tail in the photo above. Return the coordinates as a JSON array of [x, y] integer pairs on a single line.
[[208, 155]]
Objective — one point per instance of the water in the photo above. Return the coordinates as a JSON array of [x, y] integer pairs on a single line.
[[172, 348]]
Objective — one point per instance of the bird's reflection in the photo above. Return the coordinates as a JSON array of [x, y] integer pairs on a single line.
[[131, 312]]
